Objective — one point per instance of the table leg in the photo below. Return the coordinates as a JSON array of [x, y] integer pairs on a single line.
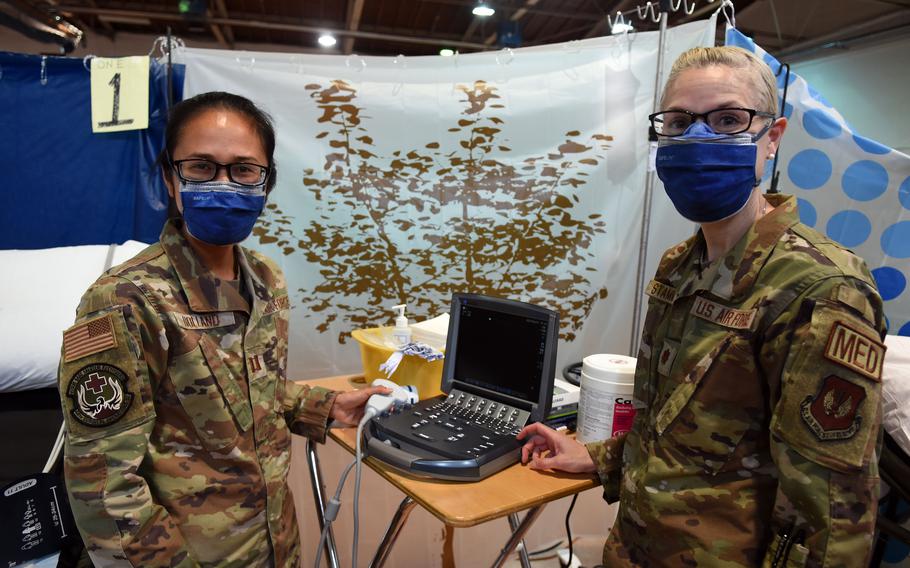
[[522, 549], [312, 459], [518, 534], [391, 533]]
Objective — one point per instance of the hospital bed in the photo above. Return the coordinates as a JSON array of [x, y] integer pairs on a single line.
[[39, 293]]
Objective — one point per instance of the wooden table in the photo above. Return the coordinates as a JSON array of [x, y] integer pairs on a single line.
[[457, 504]]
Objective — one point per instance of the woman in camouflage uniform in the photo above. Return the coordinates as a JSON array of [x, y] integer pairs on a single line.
[[757, 388], [173, 378]]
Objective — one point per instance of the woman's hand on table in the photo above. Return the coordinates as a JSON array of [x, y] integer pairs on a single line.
[[565, 454]]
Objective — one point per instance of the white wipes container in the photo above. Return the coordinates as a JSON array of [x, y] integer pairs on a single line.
[[605, 405]]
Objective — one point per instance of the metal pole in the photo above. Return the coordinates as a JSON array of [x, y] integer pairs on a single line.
[[170, 70], [650, 177], [391, 533], [312, 460], [519, 534], [522, 549]]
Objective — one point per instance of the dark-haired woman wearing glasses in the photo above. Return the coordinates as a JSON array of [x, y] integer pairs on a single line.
[[758, 380], [173, 379]]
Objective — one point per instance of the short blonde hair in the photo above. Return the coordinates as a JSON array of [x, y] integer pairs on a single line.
[[735, 58]]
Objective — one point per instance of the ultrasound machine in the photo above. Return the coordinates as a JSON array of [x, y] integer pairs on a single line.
[[498, 376]]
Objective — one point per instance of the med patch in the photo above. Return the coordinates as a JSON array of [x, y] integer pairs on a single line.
[[99, 395], [832, 413], [855, 350]]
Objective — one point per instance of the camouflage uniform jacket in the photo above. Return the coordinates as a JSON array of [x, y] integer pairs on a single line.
[[757, 388], [179, 415]]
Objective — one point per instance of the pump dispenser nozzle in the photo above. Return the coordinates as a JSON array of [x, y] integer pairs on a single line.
[[402, 332]]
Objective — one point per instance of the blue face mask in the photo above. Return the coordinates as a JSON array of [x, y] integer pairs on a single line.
[[221, 213], [708, 176]]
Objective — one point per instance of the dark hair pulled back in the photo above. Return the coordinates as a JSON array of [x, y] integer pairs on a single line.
[[186, 110]]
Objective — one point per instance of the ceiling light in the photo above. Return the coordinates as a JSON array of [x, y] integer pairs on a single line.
[[446, 52], [327, 40], [621, 27], [482, 10]]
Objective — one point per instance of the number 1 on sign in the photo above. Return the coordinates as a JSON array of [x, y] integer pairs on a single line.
[[115, 112], [120, 93]]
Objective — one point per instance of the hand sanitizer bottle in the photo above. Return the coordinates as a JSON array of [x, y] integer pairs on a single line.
[[401, 335]]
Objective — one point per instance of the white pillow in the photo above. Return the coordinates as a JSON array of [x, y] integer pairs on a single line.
[[896, 390], [39, 294]]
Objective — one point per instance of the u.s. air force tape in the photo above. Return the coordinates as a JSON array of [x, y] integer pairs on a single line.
[[722, 315]]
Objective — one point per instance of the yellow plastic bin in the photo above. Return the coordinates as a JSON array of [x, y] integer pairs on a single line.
[[374, 351]]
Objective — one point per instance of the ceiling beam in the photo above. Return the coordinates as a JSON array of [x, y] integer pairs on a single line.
[[216, 31], [901, 3], [284, 24], [741, 6], [898, 21], [569, 15], [471, 29], [570, 33], [221, 11], [108, 29], [516, 15], [355, 10]]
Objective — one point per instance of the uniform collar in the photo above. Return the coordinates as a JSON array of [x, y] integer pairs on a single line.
[[742, 264], [257, 288], [734, 274], [204, 291]]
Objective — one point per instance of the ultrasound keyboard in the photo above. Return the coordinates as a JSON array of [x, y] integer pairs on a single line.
[[470, 432], [461, 436]]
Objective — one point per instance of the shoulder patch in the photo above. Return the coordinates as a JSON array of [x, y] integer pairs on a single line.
[[99, 395], [92, 336], [832, 413], [661, 291], [855, 350]]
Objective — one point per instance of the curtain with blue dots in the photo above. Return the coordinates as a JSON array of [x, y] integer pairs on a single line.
[[849, 187]]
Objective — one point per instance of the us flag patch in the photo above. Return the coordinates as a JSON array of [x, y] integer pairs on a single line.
[[89, 337]]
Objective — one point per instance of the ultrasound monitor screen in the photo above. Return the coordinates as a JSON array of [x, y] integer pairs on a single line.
[[500, 352]]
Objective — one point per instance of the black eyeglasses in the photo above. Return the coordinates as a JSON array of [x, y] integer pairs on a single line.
[[721, 120], [201, 170]]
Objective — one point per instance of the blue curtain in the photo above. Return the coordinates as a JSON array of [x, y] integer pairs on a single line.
[[62, 185]]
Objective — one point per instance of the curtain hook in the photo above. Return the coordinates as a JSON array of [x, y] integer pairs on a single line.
[[507, 51], [731, 17], [347, 62], [572, 46]]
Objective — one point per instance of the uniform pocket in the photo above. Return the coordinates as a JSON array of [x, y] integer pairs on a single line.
[[200, 386], [718, 401]]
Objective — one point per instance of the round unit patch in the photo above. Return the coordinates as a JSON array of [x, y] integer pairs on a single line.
[[99, 395]]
